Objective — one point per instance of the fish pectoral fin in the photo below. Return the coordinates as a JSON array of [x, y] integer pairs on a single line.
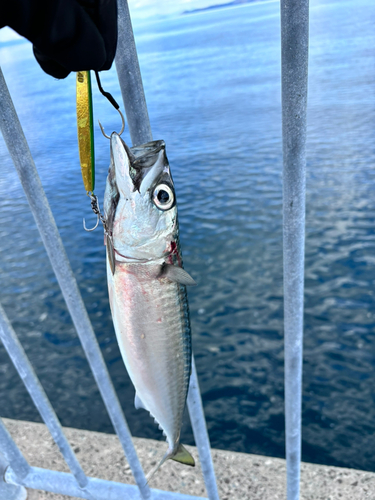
[[138, 403], [183, 456], [177, 274]]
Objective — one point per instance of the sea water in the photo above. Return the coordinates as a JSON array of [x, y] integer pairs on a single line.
[[212, 83]]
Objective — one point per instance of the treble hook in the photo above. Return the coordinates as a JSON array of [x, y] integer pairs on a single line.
[[122, 128], [96, 209]]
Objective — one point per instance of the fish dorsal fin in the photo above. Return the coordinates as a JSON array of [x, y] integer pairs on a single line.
[[177, 274], [138, 403], [183, 456]]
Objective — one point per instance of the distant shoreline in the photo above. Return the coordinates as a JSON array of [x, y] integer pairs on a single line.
[[233, 3]]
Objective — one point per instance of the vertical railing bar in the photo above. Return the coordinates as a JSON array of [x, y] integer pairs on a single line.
[[24, 163], [12, 454], [201, 437], [294, 59], [129, 75], [38, 395], [9, 491], [130, 80]]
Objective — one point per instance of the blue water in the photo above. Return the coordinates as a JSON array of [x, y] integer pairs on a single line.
[[212, 82]]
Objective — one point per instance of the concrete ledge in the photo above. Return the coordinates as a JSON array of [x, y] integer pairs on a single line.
[[239, 476]]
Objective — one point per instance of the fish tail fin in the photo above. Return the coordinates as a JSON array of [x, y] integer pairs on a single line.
[[183, 456], [180, 455]]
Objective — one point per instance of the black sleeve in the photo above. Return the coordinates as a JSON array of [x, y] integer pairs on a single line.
[[67, 35]]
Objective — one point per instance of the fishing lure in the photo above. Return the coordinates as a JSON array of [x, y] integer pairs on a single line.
[[85, 130]]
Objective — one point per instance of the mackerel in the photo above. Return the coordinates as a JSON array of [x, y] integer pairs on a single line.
[[147, 285]]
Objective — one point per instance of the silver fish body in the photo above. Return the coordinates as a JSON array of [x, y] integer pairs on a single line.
[[146, 284]]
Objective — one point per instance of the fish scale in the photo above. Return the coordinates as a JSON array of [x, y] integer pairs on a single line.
[[162, 339]]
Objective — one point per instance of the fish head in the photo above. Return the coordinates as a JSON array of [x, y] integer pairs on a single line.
[[140, 201]]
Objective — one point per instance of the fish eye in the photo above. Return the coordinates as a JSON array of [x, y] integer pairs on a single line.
[[163, 197]]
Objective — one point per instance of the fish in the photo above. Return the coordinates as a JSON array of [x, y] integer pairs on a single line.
[[147, 285]]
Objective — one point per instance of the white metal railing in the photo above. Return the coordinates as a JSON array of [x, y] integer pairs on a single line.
[[15, 472], [294, 64]]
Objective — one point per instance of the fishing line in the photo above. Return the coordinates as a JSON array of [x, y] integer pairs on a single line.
[[112, 100], [109, 96]]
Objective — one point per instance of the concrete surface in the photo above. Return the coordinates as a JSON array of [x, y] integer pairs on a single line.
[[240, 476]]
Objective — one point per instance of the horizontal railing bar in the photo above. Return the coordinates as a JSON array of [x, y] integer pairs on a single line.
[[36, 391], [12, 454], [294, 63], [201, 437], [100, 489], [25, 166], [129, 75]]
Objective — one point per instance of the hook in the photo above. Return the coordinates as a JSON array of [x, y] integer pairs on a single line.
[[122, 128], [96, 209], [92, 229]]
